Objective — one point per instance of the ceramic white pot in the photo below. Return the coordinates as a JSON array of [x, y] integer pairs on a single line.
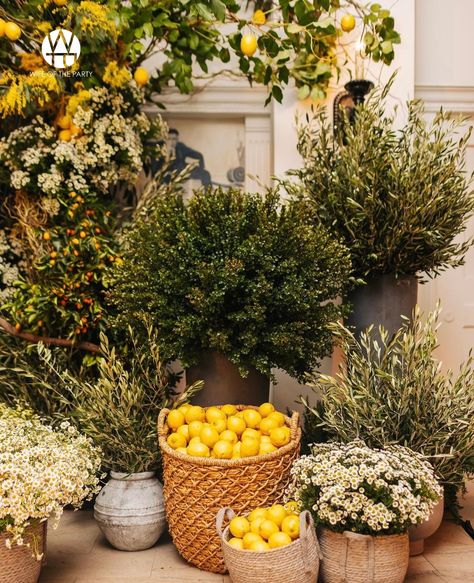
[[420, 532], [130, 510]]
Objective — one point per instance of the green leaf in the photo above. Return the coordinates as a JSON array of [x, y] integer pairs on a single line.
[[386, 47], [294, 28], [304, 92], [219, 9]]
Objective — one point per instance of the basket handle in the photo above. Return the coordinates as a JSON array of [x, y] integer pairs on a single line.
[[220, 517], [347, 537], [294, 424], [308, 538]]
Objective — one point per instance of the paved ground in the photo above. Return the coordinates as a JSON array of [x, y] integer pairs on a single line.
[[77, 553]]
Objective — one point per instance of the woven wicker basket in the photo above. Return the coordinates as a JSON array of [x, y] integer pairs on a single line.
[[295, 563], [195, 489], [357, 558], [17, 565]]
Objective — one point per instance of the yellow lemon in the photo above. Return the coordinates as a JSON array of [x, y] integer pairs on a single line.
[[229, 410], [291, 525], [219, 425], [236, 450], [176, 440], [214, 413], [184, 431], [75, 130], [259, 17], [141, 76], [265, 439], [279, 539], [250, 433], [12, 31], [348, 22], [223, 449], [239, 526], [236, 424], [65, 135], [195, 439], [198, 449], [259, 546], [209, 436], [252, 418], [237, 543], [195, 413], [280, 436], [181, 449], [2, 27], [195, 428], [249, 538], [276, 514], [292, 507], [267, 424], [248, 44], [249, 447], [64, 122], [279, 418], [255, 524], [60, 2], [267, 528], [184, 408], [229, 435], [257, 513], [266, 448], [265, 409], [175, 419], [239, 414]]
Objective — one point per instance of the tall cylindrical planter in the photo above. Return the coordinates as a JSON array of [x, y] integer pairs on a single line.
[[358, 558], [223, 382], [130, 510], [383, 301], [422, 531]]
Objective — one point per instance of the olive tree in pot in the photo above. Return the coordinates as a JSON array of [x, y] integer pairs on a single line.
[[119, 411], [394, 391], [236, 284], [397, 198]]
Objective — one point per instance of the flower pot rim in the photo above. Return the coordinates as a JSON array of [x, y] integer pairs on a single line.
[[132, 476]]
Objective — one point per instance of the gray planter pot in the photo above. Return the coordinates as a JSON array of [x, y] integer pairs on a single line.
[[130, 510], [224, 384], [383, 301]]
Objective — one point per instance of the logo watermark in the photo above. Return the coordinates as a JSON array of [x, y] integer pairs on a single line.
[[61, 48]]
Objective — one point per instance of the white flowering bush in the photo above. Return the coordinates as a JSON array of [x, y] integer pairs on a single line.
[[368, 491], [42, 469]]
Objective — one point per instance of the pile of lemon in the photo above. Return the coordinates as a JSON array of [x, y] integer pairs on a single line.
[[226, 433], [265, 528]]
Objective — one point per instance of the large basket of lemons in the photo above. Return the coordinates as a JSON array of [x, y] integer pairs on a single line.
[[270, 544], [231, 456]]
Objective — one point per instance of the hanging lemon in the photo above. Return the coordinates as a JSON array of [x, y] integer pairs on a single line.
[[65, 135], [248, 44], [348, 22], [12, 31], [60, 2], [259, 17], [141, 76], [64, 122], [2, 27]]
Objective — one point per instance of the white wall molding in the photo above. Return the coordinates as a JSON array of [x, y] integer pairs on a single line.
[[452, 98]]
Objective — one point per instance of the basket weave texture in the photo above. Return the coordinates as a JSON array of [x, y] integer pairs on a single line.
[[298, 562], [195, 489], [355, 558], [17, 565]]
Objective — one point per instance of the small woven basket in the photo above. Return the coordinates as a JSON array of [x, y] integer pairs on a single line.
[[298, 562], [195, 489], [18, 565], [356, 558]]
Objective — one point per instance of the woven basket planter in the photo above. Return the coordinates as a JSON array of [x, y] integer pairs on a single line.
[[17, 565], [298, 562], [356, 558], [195, 489]]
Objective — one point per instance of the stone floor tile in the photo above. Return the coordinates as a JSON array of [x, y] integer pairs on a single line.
[[419, 566], [450, 538], [454, 566]]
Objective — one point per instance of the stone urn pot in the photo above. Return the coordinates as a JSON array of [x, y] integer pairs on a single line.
[[130, 510], [422, 531]]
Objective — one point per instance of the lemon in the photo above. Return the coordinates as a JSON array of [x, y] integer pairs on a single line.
[[259, 546], [249, 538], [60, 2], [265, 409], [292, 507], [64, 122], [267, 528], [2, 27], [229, 435], [195, 439], [280, 436], [236, 424], [141, 76], [195, 428], [248, 44], [266, 448], [276, 514], [176, 440], [255, 524], [223, 449], [219, 425], [181, 449], [195, 413], [249, 447], [257, 513], [267, 424], [239, 414], [65, 135], [184, 408], [291, 526], [259, 17], [198, 449], [348, 22], [265, 439], [12, 31], [184, 431], [279, 539], [209, 436], [175, 419], [250, 433], [235, 542], [252, 418], [214, 413], [75, 130], [239, 526], [229, 410], [236, 450], [279, 417]]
